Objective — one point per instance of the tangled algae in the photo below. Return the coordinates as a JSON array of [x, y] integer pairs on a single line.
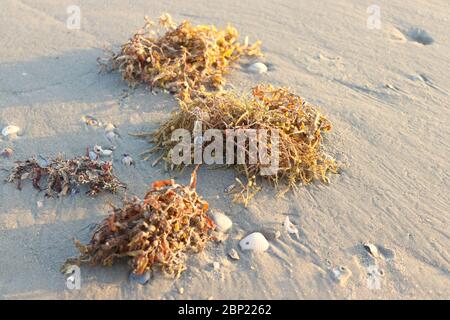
[[179, 58], [156, 231], [300, 126], [66, 176]]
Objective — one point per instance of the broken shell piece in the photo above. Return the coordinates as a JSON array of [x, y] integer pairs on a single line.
[[372, 249], [223, 223], [257, 67], [141, 279], [233, 254], [216, 265], [127, 160], [91, 121], [254, 242], [7, 152], [10, 131], [290, 227]]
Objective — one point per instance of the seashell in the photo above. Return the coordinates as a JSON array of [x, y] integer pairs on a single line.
[[127, 160], [223, 223], [7, 152], [102, 152], [254, 242], [181, 290], [257, 68], [229, 188], [372, 249], [233, 254], [141, 279], [91, 121], [216, 265], [10, 130], [290, 227]]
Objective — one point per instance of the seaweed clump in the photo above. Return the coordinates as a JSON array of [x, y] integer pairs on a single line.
[[155, 231], [182, 58], [66, 176], [300, 126]]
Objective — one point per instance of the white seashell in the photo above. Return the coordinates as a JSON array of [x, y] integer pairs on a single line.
[[216, 265], [290, 227], [223, 223], [127, 160], [10, 130], [102, 152], [254, 242], [372, 249], [257, 67]]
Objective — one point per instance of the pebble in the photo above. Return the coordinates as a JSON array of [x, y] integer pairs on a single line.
[[181, 290]]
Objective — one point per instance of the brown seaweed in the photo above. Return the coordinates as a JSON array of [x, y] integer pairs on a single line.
[[156, 231]]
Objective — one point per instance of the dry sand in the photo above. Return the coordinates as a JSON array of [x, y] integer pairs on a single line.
[[386, 94]]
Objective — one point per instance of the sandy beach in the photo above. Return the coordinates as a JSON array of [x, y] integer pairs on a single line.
[[385, 88]]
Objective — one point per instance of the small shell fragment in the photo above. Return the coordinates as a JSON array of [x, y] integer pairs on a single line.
[[102, 152], [257, 68], [223, 223], [127, 160], [229, 188], [10, 130], [290, 227], [254, 242], [372, 249], [91, 121], [216, 265], [233, 254]]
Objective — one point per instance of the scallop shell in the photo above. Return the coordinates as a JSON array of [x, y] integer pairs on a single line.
[[223, 223], [254, 242], [257, 67], [10, 130]]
